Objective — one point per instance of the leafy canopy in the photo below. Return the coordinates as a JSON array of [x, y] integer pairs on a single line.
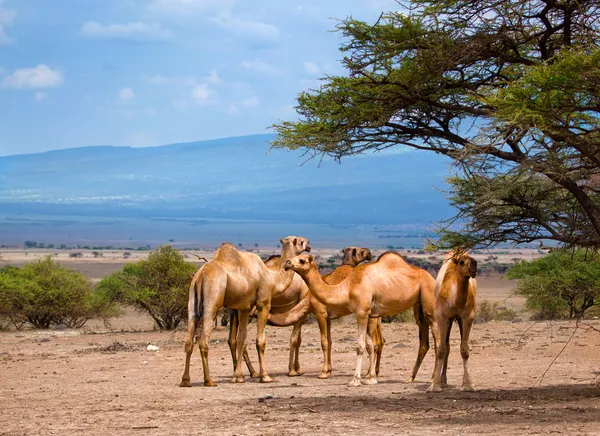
[[559, 284], [43, 293], [158, 285], [509, 90]]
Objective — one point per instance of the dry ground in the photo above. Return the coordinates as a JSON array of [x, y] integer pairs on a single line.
[[103, 381]]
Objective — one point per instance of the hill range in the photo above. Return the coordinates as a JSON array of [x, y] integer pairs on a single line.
[[209, 191]]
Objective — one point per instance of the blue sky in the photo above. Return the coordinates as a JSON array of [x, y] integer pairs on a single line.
[[149, 72]]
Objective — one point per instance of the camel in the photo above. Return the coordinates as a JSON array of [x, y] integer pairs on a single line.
[[290, 298], [385, 287], [241, 281], [309, 304], [455, 295]]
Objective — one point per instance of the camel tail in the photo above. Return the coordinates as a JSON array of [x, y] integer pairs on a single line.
[[292, 316], [195, 297]]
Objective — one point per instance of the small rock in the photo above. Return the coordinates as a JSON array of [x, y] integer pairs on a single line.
[[151, 347], [480, 321], [266, 397], [45, 340], [145, 362]]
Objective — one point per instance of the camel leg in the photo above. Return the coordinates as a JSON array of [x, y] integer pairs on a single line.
[[324, 323], [362, 320], [442, 355], [261, 322], [378, 345], [189, 348], [295, 341], [423, 339], [446, 339], [249, 365], [329, 346], [205, 331], [232, 339], [371, 378], [242, 316], [465, 330]]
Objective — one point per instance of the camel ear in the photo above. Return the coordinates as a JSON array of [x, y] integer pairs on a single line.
[[295, 241], [455, 259], [311, 257], [354, 252], [344, 250]]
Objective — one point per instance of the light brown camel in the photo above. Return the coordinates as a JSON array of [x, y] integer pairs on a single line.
[[241, 281], [385, 287], [290, 298], [310, 304], [455, 295]]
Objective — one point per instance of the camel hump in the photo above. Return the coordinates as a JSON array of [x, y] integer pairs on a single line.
[[274, 260], [228, 253]]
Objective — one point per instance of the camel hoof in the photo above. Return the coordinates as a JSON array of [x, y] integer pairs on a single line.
[[411, 379], [294, 373], [369, 381], [253, 375], [185, 384], [355, 382], [210, 384], [468, 388], [324, 375], [444, 384], [238, 379], [266, 379], [434, 388]]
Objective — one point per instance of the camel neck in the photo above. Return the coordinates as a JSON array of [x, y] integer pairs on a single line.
[[283, 279], [462, 289], [330, 295]]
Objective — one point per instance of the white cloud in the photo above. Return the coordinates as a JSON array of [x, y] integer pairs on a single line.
[[174, 80], [311, 67], [187, 7], [259, 67], [7, 16], [39, 77], [213, 77], [137, 31], [39, 96], [200, 93], [126, 95], [251, 31], [250, 102]]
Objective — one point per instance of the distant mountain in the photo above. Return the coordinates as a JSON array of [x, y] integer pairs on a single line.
[[230, 178]]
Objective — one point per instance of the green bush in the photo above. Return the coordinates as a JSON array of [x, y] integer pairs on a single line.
[[44, 293], [565, 283], [158, 285], [406, 316], [494, 312]]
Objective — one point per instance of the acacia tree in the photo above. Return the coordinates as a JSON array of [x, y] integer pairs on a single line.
[[510, 90]]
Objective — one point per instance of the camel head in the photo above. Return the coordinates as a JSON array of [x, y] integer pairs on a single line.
[[300, 264], [466, 265], [296, 244], [355, 255]]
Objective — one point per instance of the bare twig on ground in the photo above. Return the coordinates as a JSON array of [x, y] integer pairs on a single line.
[[558, 355], [199, 257], [523, 334]]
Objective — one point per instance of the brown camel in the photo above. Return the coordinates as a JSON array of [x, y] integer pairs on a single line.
[[310, 304], [290, 298], [455, 295], [385, 287], [241, 281]]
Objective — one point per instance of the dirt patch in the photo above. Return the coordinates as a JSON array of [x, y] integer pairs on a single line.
[[107, 382]]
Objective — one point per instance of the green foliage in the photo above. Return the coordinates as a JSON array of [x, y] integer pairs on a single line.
[[508, 90], [406, 317], [494, 312], [563, 283], [44, 293], [158, 285]]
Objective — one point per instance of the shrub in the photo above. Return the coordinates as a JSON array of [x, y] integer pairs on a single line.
[[562, 284], [44, 293], [406, 316], [158, 285], [495, 312]]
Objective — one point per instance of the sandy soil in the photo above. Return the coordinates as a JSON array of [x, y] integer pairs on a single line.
[[99, 381]]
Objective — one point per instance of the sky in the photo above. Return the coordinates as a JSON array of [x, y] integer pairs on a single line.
[[140, 73]]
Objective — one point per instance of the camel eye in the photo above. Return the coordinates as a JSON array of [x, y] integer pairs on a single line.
[[302, 261], [462, 262]]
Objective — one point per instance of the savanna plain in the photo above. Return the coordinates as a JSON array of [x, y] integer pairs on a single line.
[[530, 377]]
